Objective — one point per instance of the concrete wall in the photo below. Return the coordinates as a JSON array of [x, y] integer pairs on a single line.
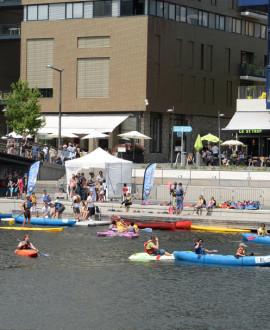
[[49, 171]]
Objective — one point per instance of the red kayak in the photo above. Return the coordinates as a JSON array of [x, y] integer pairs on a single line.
[[183, 224], [155, 224], [27, 253]]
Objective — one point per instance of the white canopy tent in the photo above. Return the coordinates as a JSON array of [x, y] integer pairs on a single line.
[[117, 170]]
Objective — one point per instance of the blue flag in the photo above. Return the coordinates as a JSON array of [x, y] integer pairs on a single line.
[[32, 178], [148, 180]]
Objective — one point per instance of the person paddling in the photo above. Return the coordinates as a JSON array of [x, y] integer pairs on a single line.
[[26, 208], [198, 248], [113, 226], [132, 228], [152, 247], [262, 231], [241, 252], [26, 244]]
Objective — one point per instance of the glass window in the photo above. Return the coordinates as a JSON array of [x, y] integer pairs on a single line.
[[251, 29], [153, 6], [166, 10], [78, 10], [43, 12], [257, 31], [212, 21], [160, 8], [177, 13], [69, 10], [205, 19], [126, 7], [155, 132], [238, 26], [263, 31], [228, 26], [32, 13], [102, 8], [172, 11], [183, 14], [243, 28], [222, 23], [192, 16]]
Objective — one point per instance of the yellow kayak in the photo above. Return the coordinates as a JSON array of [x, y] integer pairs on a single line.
[[220, 229], [32, 228]]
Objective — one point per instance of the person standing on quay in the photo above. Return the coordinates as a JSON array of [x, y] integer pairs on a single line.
[[179, 199], [26, 208]]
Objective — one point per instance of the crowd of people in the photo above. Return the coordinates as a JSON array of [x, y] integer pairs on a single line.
[[24, 148]]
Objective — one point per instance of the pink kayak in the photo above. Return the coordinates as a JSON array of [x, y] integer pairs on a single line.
[[113, 233]]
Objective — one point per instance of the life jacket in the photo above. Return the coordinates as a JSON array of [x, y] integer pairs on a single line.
[[241, 251], [262, 231], [28, 204], [34, 200], [46, 198], [26, 246], [199, 250], [57, 206], [179, 192], [173, 191], [149, 251], [131, 229], [113, 227]]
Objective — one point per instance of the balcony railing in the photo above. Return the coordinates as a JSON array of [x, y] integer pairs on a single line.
[[253, 70], [252, 92], [10, 29]]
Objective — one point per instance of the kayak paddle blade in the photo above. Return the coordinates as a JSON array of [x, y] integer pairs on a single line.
[[11, 222], [158, 257], [148, 230]]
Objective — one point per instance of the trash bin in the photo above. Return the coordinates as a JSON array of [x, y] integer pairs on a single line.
[[198, 159]]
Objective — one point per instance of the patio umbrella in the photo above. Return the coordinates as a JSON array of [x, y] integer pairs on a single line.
[[95, 135], [232, 143], [135, 135], [198, 143], [210, 138]]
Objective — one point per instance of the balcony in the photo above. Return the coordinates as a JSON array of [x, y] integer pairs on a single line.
[[252, 72], [3, 93], [10, 31], [251, 92]]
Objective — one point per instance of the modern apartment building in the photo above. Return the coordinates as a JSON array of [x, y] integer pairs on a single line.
[[11, 16], [189, 55]]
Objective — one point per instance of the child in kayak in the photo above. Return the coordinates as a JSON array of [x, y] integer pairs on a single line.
[[26, 244], [198, 248], [152, 247], [132, 228], [241, 252], [262, 231], [113, 226]]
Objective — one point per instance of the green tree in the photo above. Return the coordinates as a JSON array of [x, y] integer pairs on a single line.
[[24, 109]]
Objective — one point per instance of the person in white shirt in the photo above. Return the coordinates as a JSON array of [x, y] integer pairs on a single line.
[[76, 206], [104, 185], [46, 211], [90, 205], [215, 150]]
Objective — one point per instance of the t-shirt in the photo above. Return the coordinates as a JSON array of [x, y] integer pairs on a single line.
[[125, 189], [76, 205], [149, 246], [104, 186], [46, 209], [90, 201], [215, 150], [35, 150], [46, 198]]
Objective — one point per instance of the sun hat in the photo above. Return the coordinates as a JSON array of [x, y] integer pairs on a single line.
[[242, 245]]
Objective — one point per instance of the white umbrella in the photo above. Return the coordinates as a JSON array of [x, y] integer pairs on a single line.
[[232, 143], [15, 135], [67, 135], [135, 135], [95, 135]]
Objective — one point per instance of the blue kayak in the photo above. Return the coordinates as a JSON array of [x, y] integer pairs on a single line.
[[47, 222], [222, 260], [5, 215], [256, 239]]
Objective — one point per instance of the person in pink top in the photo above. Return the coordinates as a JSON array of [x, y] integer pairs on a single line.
[[20, 187], [125, 189], [72, 186]]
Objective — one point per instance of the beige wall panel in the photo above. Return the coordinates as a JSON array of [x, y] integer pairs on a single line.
[[128, 60]]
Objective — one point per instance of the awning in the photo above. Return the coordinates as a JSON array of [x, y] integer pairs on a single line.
[[82, 124], [249, 122]]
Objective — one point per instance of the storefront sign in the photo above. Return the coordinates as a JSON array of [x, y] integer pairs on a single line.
[[250, 131]]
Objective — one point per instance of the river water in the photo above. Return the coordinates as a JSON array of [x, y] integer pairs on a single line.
[[89, 283]]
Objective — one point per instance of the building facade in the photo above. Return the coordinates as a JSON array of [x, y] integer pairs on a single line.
[[141, 58]]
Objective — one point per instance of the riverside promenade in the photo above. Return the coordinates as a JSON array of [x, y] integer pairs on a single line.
[[226, 218]]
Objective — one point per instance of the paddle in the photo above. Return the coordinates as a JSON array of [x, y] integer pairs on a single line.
[[11, 222], [45, 255], [148, 230]]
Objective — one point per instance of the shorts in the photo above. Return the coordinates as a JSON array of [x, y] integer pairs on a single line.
[[179, 203], [11, 189], [73, 188], [159, 252], [76, 210], [60, 210], [27, 214], [91, 210], [34, 208]]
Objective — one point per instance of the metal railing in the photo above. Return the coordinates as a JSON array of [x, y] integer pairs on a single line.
[[254, 92], [10, 29], [253, 70]]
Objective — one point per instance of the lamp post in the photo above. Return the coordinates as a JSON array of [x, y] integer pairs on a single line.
[[6, 110], [219, 153], [60, 101], [172, 112]]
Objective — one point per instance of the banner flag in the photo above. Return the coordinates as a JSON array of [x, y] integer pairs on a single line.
[[32, 178], [148, 180]]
